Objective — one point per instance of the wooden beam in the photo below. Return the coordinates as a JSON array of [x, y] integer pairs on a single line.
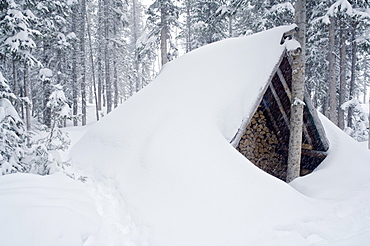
[[314, 153], [280, 105], [284, 83], [309, 152], [289, 94], [276, 128]]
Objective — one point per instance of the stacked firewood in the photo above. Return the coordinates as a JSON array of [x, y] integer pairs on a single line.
[[259, 144]]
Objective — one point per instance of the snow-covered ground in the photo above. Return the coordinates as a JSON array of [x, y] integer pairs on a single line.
[[45, 210], [159, 170]]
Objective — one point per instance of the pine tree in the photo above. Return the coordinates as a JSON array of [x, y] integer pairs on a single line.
[[163, 15], [60, 111], [17, 35]]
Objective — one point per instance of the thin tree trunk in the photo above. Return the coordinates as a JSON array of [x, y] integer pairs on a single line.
[[164, 30], [104, 94], [100, 55], [108, 85], [47, 93], [46, 85], [83, 63], [366, 76], [100, 83], [188, 26], [353, 74], [115, 84], [298, 77], [21, 103], [92, 67], [135, 32], [27, 95], [230, 25], [342, 79], [74, 70], [115, 76], [15, 84], [59, 66], [365, 90], [332, 83]]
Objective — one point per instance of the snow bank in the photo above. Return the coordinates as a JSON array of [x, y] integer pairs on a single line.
[[45, 210], [347, 167], [168, 149], [165, 172]]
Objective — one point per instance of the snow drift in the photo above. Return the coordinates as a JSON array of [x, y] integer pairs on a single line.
[[168, 151], [45, 210], [168, 147]]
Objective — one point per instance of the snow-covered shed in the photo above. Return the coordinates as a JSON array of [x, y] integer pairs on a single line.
[[263, 137], [170, 149]]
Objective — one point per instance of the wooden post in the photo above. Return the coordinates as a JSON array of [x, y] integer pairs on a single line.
[[297, 105]]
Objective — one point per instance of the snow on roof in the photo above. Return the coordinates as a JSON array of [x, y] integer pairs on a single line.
[[168, 149]]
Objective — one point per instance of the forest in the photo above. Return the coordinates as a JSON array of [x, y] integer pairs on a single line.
[[58, 56]]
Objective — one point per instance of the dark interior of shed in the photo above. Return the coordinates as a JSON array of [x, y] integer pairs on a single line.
[[265, 141]]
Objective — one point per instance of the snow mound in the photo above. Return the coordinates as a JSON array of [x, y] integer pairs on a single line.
[[45, 210], [168, 148], [180, 182]]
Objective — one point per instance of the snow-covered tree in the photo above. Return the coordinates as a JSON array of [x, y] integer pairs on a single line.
[[12, 133], [17, 152], [359, 128], [60, 111], [162, 17], [17, 35], [345, 21], [17, 44]]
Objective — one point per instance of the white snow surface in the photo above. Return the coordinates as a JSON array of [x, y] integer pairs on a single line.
[[45, 210], [161, 171], [167, 150]]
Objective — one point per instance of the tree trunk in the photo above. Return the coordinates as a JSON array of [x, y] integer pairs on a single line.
[[83, 64], [100, 82], [332, 82], [342, 79], [15, 85], [366, 75], [164, 30], [47, 110], [365, 90], [59, 66], [46, 85], [108, 85], [74, 70], [230, 25], [135, 37], [27, 95], [298, 77], [353, 74], [92, 67], [115, 76], [100, 54], [188, 26]]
